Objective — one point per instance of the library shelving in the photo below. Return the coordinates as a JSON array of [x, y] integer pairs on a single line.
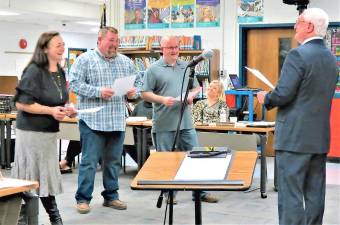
[[208, 69]]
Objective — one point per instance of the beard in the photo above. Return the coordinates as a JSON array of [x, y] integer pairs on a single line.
[[111, 52]]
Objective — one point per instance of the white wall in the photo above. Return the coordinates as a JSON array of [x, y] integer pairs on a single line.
[[12, 63], [227, 39], [224, 38], [11, 33]]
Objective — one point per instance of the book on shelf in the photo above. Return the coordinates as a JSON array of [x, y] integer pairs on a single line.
[[153, 42]]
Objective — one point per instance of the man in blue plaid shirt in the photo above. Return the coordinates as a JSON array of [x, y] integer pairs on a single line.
[[101, 133]]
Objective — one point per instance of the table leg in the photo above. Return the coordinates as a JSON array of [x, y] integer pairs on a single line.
[[60, 143], [171, 207], [8, 143], [198, 207], [275, 176], [2, 144], [139, 147], [250, 107], [145, 147], [263, 167]]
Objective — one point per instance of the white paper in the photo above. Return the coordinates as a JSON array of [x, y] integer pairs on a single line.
[[178, 98], [9, 182], [91, 110], [200, 169], [259, 75], [122, 85], [262, 123]]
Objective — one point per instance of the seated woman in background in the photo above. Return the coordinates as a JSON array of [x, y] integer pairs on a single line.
[[208, 110]]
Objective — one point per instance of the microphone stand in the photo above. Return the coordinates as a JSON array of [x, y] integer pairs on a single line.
[[184, 104]]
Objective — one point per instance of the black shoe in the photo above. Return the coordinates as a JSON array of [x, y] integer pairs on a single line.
[[63, 171], [52, 210]]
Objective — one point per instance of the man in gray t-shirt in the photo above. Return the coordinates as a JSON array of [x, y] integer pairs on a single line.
[[162, 85]]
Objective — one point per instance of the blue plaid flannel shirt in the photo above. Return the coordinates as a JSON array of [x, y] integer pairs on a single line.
[[92, 71]]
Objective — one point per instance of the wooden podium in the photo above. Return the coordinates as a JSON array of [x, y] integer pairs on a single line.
[[163, 166]]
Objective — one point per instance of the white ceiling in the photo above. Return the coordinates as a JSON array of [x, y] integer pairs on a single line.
[[59, 15]]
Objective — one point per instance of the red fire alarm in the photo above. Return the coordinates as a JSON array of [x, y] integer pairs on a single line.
[[23, 43]]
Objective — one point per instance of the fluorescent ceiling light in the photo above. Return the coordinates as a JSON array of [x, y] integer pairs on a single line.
[[6, 13], [91, 23]]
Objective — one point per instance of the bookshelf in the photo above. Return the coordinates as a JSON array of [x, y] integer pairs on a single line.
[[143, 58]]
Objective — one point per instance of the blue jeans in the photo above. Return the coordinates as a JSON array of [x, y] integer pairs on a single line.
[[187, 139], [96, 145]]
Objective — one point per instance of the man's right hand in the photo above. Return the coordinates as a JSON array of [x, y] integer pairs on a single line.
[[261, 95], [106, 93], [169, 101]]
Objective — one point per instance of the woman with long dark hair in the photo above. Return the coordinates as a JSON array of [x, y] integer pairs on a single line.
[[40, 98]]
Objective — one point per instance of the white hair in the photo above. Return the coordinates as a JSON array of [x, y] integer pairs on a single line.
[[318, 18]]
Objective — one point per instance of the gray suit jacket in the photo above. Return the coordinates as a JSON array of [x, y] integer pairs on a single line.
[[303, 96]]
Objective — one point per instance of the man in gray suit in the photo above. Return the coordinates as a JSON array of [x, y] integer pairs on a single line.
[[303, 96]]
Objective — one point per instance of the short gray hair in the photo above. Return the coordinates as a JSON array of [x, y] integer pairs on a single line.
[[318, 18], [103, 31]]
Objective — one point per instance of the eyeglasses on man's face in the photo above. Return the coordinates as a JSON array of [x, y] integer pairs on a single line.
[[171, 47]]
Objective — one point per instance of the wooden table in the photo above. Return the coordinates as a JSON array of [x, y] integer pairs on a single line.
[[162, 166], [10, 202], [15, 190], [263, 133], [69, 131]]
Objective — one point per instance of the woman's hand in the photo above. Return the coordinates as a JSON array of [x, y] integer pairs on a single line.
[[58, 112]]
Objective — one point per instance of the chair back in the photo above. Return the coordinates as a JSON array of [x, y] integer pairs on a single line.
[[129, 139], [237, 142]]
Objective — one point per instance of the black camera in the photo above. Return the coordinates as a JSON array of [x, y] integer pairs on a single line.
[[301, 4], [296, 2]]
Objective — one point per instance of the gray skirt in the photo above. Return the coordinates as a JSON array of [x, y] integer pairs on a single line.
[[36, 158]]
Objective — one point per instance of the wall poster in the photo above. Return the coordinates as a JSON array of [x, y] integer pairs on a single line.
[[135, 14], [250, 11], [182, 13], [158, 14], [207, 13]]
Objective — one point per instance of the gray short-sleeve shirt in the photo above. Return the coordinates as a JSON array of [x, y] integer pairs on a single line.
[[166, 80]]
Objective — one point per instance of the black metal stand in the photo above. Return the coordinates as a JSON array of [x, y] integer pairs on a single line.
[[171, 207], [183, 105], [198, 207]]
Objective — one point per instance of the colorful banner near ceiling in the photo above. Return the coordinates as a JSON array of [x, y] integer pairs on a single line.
[[207, 13], [250, 11], [182, 13], [135, 14], [158, 14]]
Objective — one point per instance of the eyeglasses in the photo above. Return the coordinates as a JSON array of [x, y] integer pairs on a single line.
[[171, 47]]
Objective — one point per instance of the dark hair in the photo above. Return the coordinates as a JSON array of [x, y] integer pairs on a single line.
[[39, 56]]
